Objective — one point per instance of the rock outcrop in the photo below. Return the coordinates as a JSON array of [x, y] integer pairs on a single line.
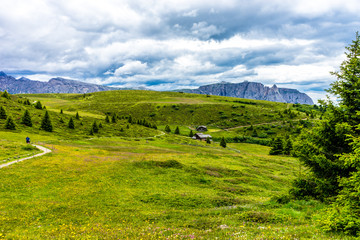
[[253, 90]]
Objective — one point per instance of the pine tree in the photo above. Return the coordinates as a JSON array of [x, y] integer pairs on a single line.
[[276, 146], [348, 80], [95, 127], [177, 130], [71, 124], [223, 142], [287, 145], [77, 116], [107, 120], [113, 118], [26, 119], [38, 105], [167, 129], [46, 123], [3, 114], [6, 95], [191, 134], [10, 123]]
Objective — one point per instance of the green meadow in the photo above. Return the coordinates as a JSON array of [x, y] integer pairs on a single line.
[[131, 181]]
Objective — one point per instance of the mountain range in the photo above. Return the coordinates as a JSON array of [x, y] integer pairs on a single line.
[[253, 90], [54, 85], [250, 90]]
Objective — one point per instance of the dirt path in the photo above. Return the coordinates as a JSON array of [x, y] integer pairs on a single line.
[[45, 151]]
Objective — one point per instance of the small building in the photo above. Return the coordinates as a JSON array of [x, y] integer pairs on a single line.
[[201, 136], [201, 129]]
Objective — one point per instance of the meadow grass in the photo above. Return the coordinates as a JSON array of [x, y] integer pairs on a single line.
[[170, 187], [133, 182]]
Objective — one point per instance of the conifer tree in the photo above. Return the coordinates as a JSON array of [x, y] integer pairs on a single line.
[[287, 145], [61, 111], [167, 129], [95, 127], [113, 118], [276, 147], [77, 116], [3, 114], [223, 142], [26, 119], [107, 120], [100, 125], [130, 119], [191, 134], [6, 95], [208, 141], [38, 105], [10, 123], [71, 124], [46, 123], [177, 130]]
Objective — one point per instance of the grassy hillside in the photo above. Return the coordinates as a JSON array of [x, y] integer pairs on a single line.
[[134, 182], [174, 108]]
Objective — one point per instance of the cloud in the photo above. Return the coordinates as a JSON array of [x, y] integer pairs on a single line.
[[131, 68], [170, 44]]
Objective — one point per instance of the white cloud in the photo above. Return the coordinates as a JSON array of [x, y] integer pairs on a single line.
[[131, 68]]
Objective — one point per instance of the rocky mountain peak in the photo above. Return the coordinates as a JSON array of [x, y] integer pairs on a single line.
[[2, 74], [253, 90]]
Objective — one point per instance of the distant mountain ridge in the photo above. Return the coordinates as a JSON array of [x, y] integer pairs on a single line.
[[253, 90], [54, 85]]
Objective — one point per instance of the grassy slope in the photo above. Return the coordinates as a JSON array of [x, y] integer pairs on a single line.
[[169, 187], [171, 107]]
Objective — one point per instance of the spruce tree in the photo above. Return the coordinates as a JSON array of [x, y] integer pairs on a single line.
[[130, 119], [46, 123], [71, 124], [95, 127], [77, 116], [100, 125], [167, 129], [191, 134], [3, 114], [38, 105], [107, 120], [61, 111], [223, 142], [6, 95], [113, 118], [287, 146], [276, 146], [177, 130], [26, 119], [10, 124]]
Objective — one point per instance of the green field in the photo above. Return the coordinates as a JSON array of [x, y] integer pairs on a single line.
[[141, 183]]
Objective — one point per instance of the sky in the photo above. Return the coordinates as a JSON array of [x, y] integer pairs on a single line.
[[176, 44]]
